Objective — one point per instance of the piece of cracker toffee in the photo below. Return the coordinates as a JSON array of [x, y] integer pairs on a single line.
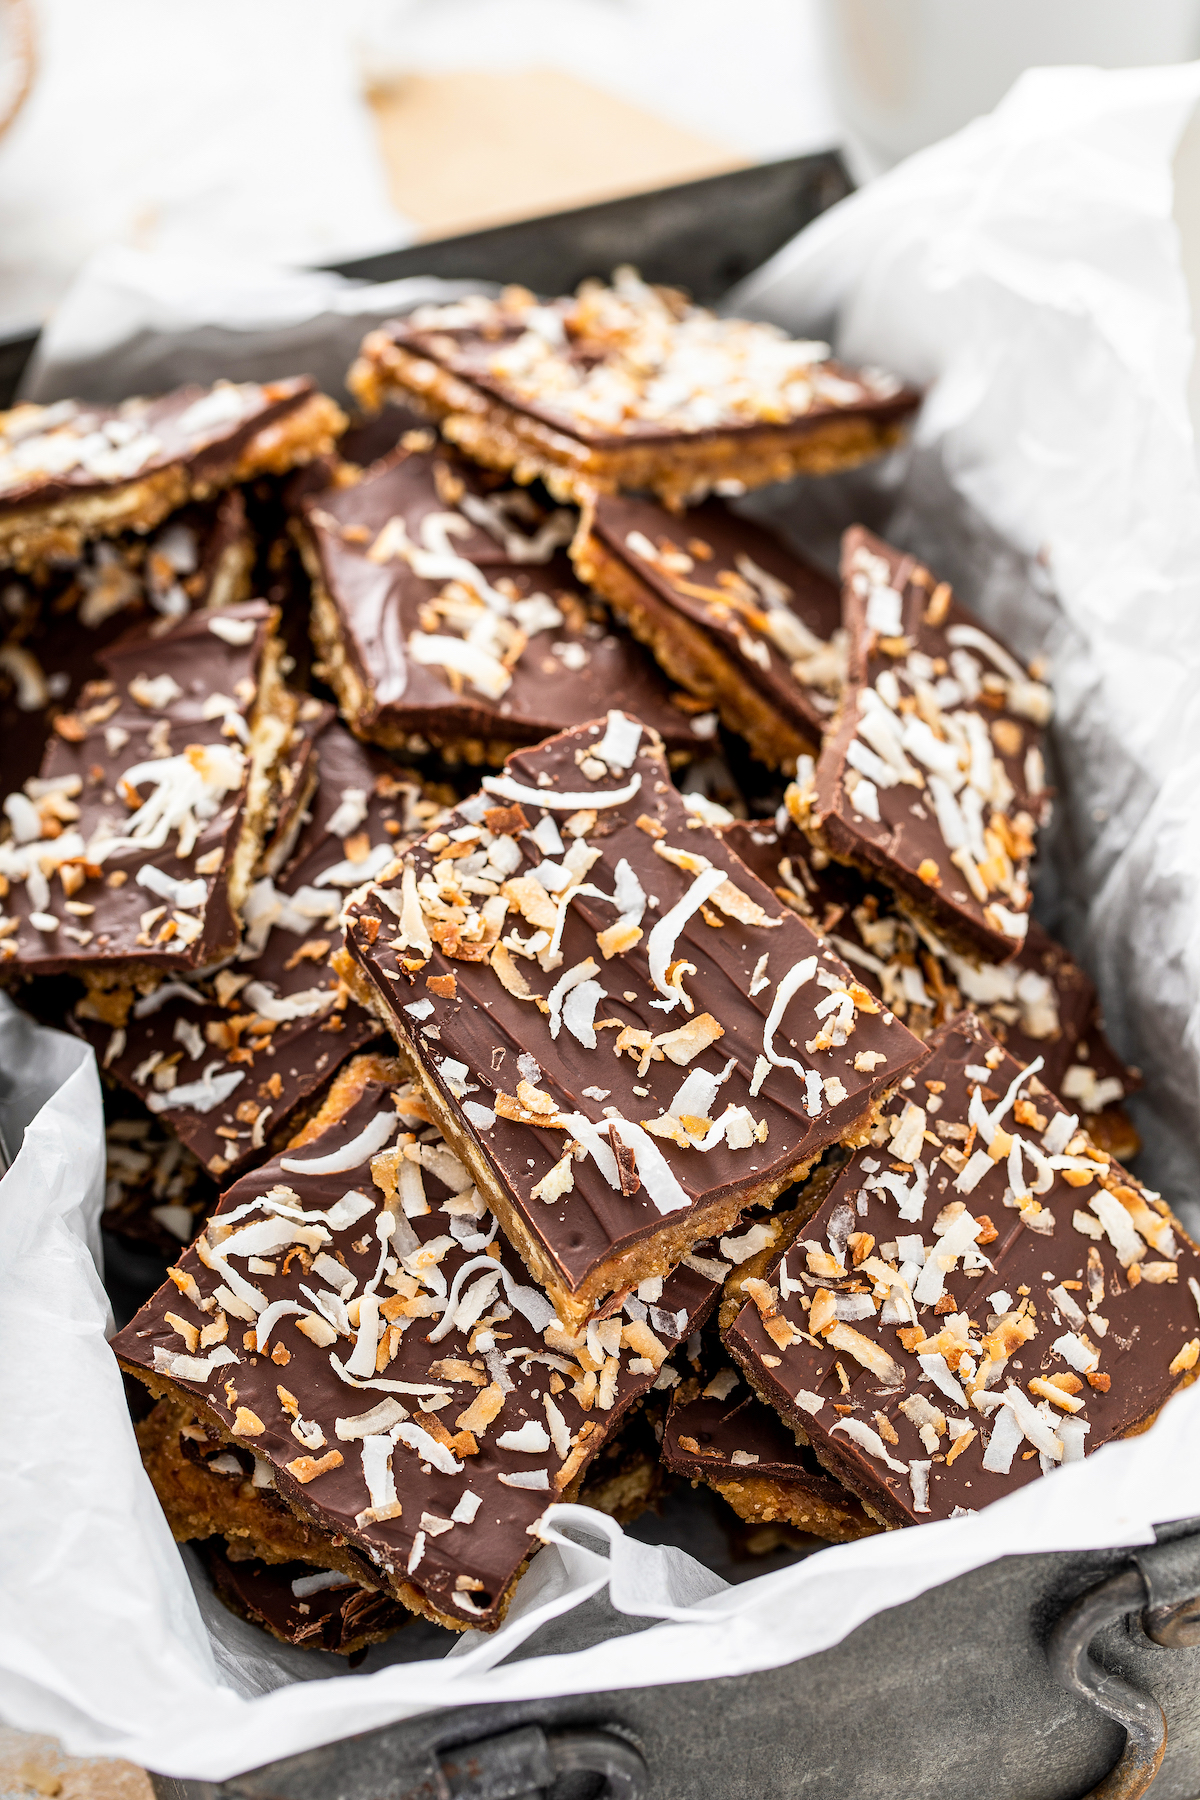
[[620, 1031], [313, 1609], [73, 471], [983, 1295], [131, 855], [412, 1405], [56, 622], [932, 779], [228, 1058], [629, 386], [725, 1437], [1037, 1002], [446, 613], [730, 612]]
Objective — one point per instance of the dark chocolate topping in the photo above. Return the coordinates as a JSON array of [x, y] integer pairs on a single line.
[[1081, 1290], [710, 566], [603, 366], [58, 623], [187, 736], [560, 655], [465, 1567], [53, 453], [1036, 1003], [340, 1617], [940, 735], [737, 1437], [264, 1069], [496, 1037]]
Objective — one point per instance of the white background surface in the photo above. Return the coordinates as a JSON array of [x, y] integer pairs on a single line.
[[1030, 272]]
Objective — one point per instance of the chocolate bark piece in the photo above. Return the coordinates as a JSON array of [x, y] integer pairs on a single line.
[[156, 1191], [406, 1445], [939, 1324], [228, 1060], [594, 991], [932, 779], [57, 621], [1038, 1002], [729, 610], [72, 472], [290, 1602], [131, 856], [631, 387], [446, 613], [725, 1437]]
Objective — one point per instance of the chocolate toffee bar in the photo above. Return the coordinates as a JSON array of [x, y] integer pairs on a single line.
[[1037, 1002], [155, 1190], [725, 1437], [932, 779], [446, 613], [314, 1610], [227, 1060], [132, 854], [73, 471], [412, 1405], [57, 621], [730, 612], [574, 898], [629, 386], [984, 1295]]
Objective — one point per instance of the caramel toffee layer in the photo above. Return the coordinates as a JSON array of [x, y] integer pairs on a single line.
[[72, 471], [351, 1317], [447, 613], [315, 1610], [728, 1439], [134, 848], [1038, 1002], [58, 621], [620, 1030], [932, 780], [733, 615], [629, 386], [226, 1060], [983, 1295]]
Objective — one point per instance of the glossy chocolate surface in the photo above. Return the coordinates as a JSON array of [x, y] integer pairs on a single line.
[[278, 1064], [955, 769], [1036, 1003], [566, 658], [198, 691], [708, 566], [338, 1618], [497, 1036], [51, 454], [1003, 1317], [463, 1567]]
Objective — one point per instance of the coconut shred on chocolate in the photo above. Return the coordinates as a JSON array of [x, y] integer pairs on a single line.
[[984, 1296], [55, 622], [629, 386], [446, 613], [932, 779], [1037, 1002], [619, 1030], [730, 611], [411, 1404], [131, 855], [725, 1437], [226, 1059], [72, 472]]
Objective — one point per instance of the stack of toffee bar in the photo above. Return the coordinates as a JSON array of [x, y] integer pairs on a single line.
[[533, 1122]]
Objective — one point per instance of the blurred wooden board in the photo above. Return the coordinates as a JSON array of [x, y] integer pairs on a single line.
[[481, 148], [33, 1765]]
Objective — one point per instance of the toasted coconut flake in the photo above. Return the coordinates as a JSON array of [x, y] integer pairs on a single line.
[[505, 788], [871, 1442], [351, 1156], [559, 1181], [660, 947], [306, 1469], [687, 1041], [509, 974], [865, 1350]]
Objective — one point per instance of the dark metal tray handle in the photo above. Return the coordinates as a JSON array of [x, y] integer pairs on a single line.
[[525, 1764], [1162, 1585]]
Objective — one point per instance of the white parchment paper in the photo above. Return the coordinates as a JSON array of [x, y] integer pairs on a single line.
[[1029, 273]]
